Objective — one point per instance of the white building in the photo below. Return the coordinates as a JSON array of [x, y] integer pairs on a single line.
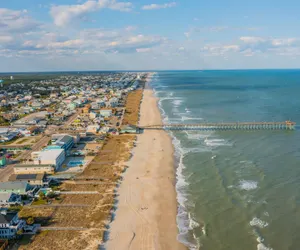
[[106, 112], [93, 115], [53, 157]]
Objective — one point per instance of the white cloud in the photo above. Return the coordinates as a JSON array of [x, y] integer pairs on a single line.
[[64, 14], [159, 6], [130, 28], [143, 50], [252, 39], [5, 39], [16, 21]]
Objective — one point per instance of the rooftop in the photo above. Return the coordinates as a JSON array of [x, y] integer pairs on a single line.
[[26, 177], [7, 218], [50, 154], [32, 166], [11, 185]]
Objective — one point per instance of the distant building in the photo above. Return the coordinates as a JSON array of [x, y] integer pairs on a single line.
[[34, 169], [93, 128], [86, 108], [106, 112], [53, 157], [10, 224], [93, 115]]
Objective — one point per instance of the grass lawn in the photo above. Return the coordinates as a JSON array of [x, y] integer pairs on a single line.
[[39, 202]]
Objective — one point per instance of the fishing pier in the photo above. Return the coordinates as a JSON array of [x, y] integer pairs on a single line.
[[287, 125]]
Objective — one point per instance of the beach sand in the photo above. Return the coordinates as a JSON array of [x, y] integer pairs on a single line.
[[147, 207]]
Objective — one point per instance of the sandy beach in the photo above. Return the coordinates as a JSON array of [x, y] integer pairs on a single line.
[[147, 208]]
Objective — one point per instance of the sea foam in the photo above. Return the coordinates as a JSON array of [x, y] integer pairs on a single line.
[[248, 185], [256, 222]]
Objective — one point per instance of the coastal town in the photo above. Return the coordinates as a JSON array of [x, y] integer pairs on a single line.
[[64, 142]]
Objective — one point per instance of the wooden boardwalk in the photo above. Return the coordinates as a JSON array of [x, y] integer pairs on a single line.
[[287, 125]]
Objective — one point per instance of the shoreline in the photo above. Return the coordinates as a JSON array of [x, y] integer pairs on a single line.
[[147, 207]]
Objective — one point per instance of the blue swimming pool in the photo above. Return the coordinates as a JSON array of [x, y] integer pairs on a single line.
[[76, 163]]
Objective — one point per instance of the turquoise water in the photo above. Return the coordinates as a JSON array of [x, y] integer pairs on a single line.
[[236, 189], [76, 163]]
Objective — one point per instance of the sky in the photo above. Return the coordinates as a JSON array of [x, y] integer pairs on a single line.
[[60, 35]]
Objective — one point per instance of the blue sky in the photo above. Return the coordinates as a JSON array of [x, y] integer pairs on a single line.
[[148, 34]]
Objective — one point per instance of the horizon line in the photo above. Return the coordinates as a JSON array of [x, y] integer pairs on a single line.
[[159, 70]]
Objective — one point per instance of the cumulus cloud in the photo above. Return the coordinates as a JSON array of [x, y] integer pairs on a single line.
[[135, 43], [88, 41], [5, 39], [252, 45], [159, 6], [64, 14], [217, 50], [252, 39], [143, 50], [16, 21]]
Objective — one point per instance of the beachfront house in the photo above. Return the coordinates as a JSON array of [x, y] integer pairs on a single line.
[[129, 129], [10, 224], [20, 188], [7, 199]]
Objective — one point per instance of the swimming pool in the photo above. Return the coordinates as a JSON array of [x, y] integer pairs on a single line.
[[76, 163]]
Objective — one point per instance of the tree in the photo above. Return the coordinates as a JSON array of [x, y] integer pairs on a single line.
[[20, 231], [30, 220], [51, 195], [42, 195]]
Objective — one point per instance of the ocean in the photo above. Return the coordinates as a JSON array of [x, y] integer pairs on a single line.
[[236, 189]]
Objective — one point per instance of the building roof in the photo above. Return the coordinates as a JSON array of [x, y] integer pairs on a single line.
[[7, 218], [32, 166], [50, 154], [65, 138], [11, 185], [4, 196], [26, 177]]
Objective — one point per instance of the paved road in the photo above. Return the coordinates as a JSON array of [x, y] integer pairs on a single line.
[[8, 170], [36, 147], [72, 118]]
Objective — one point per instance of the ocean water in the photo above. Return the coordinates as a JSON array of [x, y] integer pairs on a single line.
[[236, 189]]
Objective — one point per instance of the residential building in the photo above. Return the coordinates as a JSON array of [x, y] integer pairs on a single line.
[[64, 141], [34, 169], [2, 161], [129, 130], [106, 112], [32, 179], [53, 157], [86, 108], [93, 128], [93, 115], [14, 187], [10, 224], [7, 199]]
